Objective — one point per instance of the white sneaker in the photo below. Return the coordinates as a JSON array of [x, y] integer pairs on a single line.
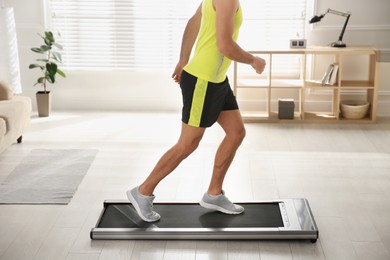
[[143, 205], [220, 203]]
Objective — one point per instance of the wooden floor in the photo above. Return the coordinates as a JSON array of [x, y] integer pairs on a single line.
[[343, 170]]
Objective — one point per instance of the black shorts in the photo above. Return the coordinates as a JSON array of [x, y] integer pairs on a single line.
[[203, 101]]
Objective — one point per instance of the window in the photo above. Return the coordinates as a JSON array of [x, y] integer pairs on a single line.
[[139, 34], [270, 24]]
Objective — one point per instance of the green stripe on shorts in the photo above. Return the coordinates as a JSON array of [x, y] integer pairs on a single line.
[[198, 102]]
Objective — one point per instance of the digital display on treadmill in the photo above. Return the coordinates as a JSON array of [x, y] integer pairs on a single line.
[[191, 215]]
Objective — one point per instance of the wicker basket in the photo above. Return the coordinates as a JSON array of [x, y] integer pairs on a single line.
[[354, 109]]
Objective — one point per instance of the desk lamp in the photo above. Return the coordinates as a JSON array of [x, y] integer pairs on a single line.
[[339, 43]]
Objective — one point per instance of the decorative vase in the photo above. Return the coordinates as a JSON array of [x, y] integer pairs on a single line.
[[43, 103]]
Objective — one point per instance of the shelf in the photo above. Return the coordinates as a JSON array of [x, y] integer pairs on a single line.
[[277, 83], [351, 84], [318, 84], [254, 116], [296, 82], [367, 119], [275, 116], [252, 83], [351, 50], [286, 83], [320, 116], [357, 84]]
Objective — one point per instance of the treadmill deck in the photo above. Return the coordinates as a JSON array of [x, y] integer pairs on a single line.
[[280, 219]]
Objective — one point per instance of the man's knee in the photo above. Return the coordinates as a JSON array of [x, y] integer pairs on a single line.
[[242, 133], [188, 146], [237, 136]]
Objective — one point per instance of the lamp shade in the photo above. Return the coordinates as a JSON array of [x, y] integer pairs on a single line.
[[9, 57], [316, 18]]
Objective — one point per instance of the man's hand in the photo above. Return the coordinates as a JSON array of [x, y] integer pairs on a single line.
[[258, 64], [176, 75]]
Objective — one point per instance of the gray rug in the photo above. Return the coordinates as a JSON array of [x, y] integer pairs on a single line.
[[47, 176]]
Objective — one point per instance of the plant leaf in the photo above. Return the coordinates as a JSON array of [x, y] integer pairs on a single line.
[[51, 68], [48, 42], [51, 79], [40, 81], [45, 48], [51, 72], [49, 35], [32, 66], [59, 46], [57, 56], [61, 73], [38, 50]]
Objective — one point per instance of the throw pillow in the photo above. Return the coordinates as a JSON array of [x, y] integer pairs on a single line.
[[5, 91]]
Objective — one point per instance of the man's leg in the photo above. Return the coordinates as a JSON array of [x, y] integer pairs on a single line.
[[142, 197], [188, 141], [232, 124], [215, 198]]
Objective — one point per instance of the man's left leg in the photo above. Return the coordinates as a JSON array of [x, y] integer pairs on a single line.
[[231, 122]]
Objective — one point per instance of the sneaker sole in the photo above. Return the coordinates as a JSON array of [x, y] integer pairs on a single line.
[[137, 208], [218, 208]]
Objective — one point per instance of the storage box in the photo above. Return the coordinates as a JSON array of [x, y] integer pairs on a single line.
[[286, 108]]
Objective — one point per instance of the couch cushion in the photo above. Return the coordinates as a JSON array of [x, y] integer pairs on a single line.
[[5, 91], [16, 112]]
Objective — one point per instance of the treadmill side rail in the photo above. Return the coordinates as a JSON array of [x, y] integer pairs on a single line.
[[198, 235]]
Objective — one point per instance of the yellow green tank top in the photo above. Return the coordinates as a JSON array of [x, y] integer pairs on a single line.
[[208, 63]]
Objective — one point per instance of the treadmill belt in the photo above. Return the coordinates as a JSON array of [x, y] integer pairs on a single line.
[[191, 215]]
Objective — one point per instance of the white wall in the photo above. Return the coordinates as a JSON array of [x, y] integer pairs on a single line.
[[369, 25]]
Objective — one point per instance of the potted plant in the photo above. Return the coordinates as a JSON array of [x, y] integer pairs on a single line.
[[49, 68]]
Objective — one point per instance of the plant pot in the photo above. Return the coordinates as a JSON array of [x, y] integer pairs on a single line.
[[43, 103]]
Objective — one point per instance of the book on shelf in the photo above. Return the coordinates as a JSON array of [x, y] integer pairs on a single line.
[[330, 76]]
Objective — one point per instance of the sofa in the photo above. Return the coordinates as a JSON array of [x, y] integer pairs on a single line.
[[15, 114]]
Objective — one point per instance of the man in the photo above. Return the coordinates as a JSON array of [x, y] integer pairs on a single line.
[[207, 98]]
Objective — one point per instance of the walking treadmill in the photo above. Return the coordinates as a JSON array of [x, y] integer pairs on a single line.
[[279, 219]]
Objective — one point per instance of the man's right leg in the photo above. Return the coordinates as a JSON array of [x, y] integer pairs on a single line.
[[142, 196], [214, 198]]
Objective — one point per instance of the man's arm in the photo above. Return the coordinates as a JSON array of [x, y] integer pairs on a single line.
[[225, 11], [189, 37]]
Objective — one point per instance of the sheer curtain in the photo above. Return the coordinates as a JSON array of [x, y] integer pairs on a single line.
[[139, 34], [9, 58]]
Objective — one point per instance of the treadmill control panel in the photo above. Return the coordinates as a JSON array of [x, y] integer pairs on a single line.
[[283, 212]]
